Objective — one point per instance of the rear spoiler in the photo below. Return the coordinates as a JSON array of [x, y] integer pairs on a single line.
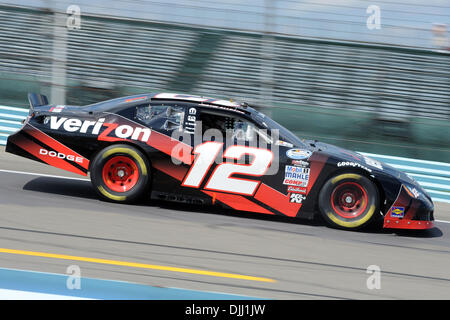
[[37, 100]]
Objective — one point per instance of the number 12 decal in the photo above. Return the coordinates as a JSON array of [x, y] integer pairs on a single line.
[[221, 179]]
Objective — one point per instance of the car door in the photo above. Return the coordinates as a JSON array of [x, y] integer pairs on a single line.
[[228, 155]]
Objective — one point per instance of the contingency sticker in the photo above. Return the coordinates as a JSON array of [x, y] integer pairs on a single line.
[[373, 163], [296, 198], [397, 212], [190, 122], [413, 191], [298, 154], [296, 176], [57, 109], [300, 163], [294, 189]]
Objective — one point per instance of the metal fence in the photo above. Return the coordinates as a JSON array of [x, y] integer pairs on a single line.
[[400, 22], [401, 91], [403, 83]]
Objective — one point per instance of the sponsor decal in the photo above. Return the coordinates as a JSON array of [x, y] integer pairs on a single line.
[[414, 191], [94, 127], [59, 155], [57, 109], [296, 176], [296, 198], [300, 163], [353, 164], [296, 189], [284, 144], [191, 118], [298, 154], [397, 212], [373, 163], [136, 99]]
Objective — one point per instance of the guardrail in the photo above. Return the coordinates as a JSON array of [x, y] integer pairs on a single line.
[[10, 121], [433, 176]]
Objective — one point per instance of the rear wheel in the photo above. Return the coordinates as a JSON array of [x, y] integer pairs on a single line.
[[120, 173], [349, 201]]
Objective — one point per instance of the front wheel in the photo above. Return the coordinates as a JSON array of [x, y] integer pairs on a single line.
[[120, 173], [349, 201]]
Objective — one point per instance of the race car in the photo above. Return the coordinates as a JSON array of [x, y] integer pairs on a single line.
[[207, 151]]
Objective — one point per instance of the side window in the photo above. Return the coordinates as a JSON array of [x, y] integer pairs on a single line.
[[161, 116], [147, 113], [214, 121], [175, 118], [243, 130], [237, 128]]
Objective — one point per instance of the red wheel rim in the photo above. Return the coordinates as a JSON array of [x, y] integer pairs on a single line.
[[120, 174], [349, 200]]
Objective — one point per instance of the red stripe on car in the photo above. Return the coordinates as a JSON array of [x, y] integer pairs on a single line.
[[237, 202], [317, 164], [55, 145], [174, 148], [277, 200], [175, 171], [34, 149]]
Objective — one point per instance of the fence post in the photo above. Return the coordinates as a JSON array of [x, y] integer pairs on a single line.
[[59, 59], [267, 56]]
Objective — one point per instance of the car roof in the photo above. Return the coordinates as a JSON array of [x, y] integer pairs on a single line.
[[129, 101]]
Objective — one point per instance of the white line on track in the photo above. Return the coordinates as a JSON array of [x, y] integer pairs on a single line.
[[8, 294], [81, 179], [42, 175]]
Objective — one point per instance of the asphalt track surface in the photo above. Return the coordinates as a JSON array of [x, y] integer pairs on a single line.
[[284, 258]]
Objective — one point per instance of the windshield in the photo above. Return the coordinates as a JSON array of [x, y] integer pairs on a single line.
[[270, 124]]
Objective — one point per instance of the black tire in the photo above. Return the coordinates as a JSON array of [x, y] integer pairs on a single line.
[[120, 173], [352, 192]]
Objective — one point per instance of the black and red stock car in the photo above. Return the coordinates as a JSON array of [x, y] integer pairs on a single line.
[[216, 152]]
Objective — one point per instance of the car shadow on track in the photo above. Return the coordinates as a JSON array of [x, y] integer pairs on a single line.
[[374, 228], [73, 188], [83, 189]]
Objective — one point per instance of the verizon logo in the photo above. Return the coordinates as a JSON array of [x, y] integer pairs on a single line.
[[94, 127]]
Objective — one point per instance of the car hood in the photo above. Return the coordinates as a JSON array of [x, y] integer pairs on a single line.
[[376, 166]]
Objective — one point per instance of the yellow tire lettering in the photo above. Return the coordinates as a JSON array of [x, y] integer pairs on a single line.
[[111, 196], [345, 176], [352, 224]]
